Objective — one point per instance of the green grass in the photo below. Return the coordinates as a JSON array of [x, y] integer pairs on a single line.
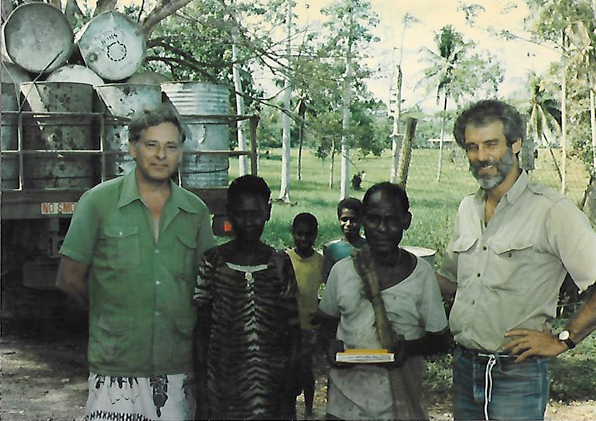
[[434, 206]]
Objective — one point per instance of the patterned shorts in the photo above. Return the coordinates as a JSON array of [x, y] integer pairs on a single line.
[[166, 397]]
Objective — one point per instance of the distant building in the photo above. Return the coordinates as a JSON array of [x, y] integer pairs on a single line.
[[436, 141]]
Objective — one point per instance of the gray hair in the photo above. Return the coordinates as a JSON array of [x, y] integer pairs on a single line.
[[151, 118]]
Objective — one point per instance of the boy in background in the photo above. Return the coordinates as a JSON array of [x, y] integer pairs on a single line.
[[308, 267], [348, 215]]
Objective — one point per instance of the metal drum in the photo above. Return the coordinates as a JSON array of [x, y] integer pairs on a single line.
[[424, 253], [193, 99], [148, 78], [112, 45], [9, 164], [121, 101], [37, 37], [75, 73], [13, 73], [58, 132]]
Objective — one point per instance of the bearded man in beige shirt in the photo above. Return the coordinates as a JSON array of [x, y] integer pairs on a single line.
[[512, 245]]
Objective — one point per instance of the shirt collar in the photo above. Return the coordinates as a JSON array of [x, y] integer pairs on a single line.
[[130, 193], [513, 193]]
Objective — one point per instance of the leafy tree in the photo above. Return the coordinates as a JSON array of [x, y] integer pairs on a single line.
[[455, 73]]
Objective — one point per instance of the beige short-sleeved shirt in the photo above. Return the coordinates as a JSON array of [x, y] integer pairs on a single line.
[[509, 273]]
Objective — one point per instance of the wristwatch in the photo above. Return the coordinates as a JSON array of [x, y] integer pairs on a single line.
[[564, 336]]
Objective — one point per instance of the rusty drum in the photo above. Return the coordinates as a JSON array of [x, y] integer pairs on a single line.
[[121, 101], [54, 132]]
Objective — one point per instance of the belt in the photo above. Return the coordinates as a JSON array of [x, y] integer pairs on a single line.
[[483, 354]]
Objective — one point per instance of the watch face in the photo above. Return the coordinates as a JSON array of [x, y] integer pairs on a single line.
[[564, 335]]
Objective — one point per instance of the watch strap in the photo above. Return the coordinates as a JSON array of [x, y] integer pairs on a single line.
[[569, 343]]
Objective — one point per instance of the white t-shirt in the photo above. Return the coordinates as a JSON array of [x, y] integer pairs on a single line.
[[414, 307]]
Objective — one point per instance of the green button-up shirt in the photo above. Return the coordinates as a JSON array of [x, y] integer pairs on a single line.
[[141, 314]]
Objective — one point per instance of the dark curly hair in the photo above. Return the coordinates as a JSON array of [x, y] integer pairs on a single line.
[[485, 112], [248, 185]]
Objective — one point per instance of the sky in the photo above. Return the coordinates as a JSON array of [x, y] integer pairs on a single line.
[[517, 57]]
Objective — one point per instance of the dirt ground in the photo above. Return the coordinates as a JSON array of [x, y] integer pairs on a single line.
[[44, 371]]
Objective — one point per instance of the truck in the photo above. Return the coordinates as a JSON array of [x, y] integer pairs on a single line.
[[45, 172]]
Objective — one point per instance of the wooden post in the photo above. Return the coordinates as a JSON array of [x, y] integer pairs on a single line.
[[406, 152]]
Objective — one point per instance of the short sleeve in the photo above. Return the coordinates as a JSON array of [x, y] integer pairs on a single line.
[[431, 308], [203, 293], [289, 286], [205, 240], [572, 239], [81, 238], [329, 304], [448, 268]]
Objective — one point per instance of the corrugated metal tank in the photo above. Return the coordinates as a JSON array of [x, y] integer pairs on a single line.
[[192, 100]]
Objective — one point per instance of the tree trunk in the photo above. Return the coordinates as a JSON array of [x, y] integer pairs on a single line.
[[284, 191], [163, 9], [589, 206], [395, 136], [240, 125], [406, 152], [527, 154], [593, 126], [564, 129], [344, 187], [332, 165], [440, 163], [302, 115]]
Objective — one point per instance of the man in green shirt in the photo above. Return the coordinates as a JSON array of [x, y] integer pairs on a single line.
[[131, 254]]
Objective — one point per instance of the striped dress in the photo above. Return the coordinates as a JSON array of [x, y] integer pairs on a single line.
[[252, 308]]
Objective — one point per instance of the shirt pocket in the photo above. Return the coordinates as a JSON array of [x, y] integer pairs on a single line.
[[180, 260], [182, 343], [512, 261], [463, 247], [111, 339], [123, 248]]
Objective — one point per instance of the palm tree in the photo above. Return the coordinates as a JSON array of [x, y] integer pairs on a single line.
[[451, 49]]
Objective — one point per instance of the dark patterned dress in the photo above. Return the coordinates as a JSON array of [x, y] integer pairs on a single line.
[[252, 309]]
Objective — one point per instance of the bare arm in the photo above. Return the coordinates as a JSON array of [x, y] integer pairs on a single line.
[[533, 342], [447, 287], [72, 279]]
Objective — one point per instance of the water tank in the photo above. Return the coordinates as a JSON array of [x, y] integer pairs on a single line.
[[58, 132], [121, 101], [192, 100]]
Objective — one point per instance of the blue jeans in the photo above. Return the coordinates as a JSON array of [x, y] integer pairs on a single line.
[[495, 387]]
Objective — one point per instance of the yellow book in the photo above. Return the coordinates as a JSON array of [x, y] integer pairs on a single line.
[[364, 356]]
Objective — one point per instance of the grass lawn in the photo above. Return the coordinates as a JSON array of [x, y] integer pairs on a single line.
[[434, 206]]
